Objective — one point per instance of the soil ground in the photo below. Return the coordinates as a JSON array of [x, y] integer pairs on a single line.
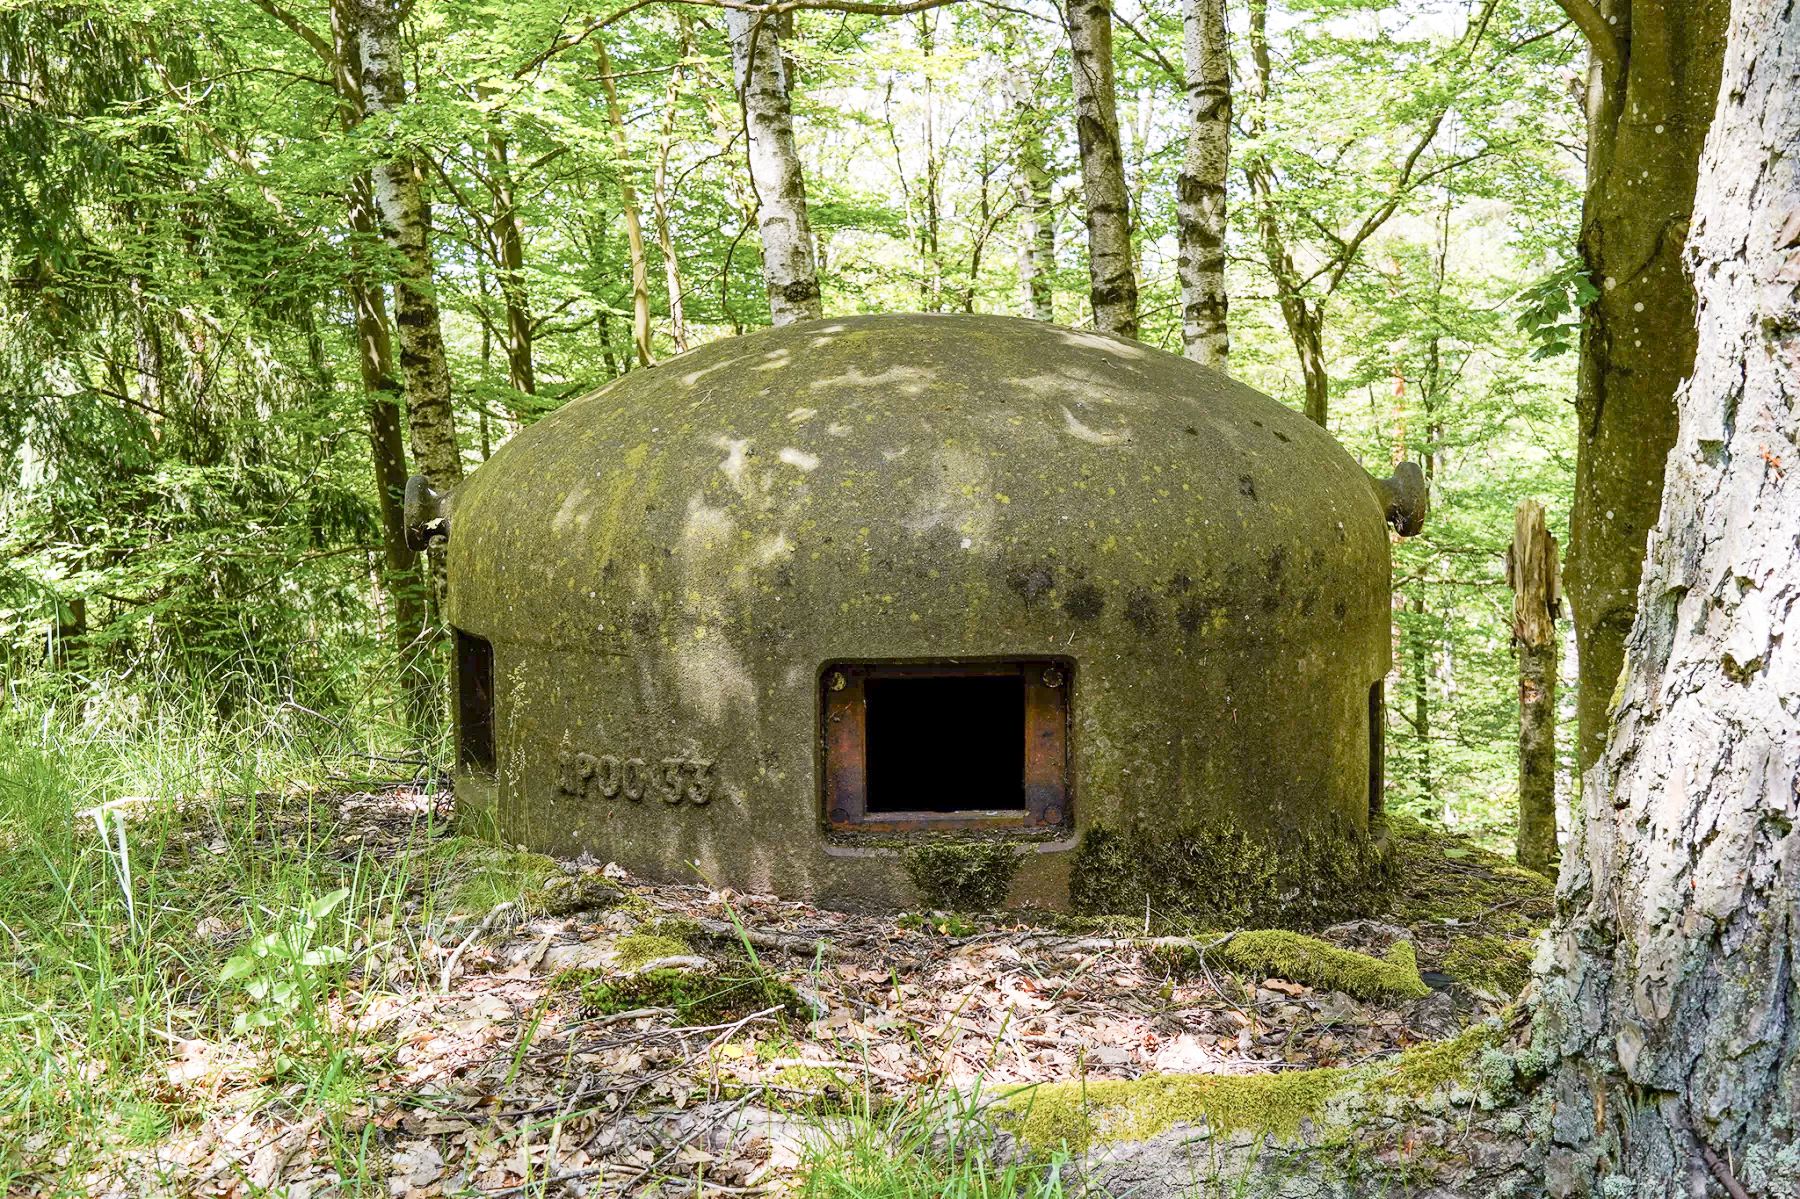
[[590, 1033]]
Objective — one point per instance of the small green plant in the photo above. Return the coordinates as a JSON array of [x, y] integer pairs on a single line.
[[280, 965], [283, 971]]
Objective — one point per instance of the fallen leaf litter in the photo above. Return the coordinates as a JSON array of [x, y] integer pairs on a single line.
[[483, 1075]]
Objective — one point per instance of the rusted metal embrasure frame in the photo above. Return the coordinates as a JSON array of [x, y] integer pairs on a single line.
[[1047, 790]]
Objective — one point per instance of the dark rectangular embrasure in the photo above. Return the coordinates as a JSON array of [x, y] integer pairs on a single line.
[[945, 744], [474, 702], [1377, 748]]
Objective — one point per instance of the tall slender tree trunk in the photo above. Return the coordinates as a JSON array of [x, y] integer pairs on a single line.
[[634, 227], [1419, 656], [1533, 573], [510, 242], [1112, 282], [1305, 321], [1675, 998], [400, 208], [789, 268], [1652, 80], [932, 261], [1031, 183], [382, 394], [1200, 209], [1304, 317], [659, 189]]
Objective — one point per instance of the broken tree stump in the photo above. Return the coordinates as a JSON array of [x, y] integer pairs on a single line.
[[1533, 573]]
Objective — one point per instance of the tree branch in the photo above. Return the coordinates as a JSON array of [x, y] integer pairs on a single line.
[[776, 8], [1402, 186], [1593, 26], [1156, 56], [299, 29]]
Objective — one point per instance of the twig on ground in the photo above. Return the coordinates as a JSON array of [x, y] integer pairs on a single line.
[[500, 909], [572, 1175], [723, 930]]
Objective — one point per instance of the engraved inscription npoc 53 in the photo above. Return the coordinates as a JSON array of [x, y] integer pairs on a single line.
[[672, 780]]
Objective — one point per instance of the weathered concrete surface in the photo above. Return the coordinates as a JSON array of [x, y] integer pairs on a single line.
[[664, 566]]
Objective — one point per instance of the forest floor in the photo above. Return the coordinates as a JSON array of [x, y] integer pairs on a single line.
[[502, 1024]]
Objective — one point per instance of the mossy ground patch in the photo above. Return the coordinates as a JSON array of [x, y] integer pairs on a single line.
[[1076, 1115], [635, 950], [1302, 959], [698, 997]]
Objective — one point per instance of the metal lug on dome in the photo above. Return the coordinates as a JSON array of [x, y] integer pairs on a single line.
[[423, 514], [1407, 498]]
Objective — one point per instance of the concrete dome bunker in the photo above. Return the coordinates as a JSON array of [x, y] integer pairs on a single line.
[[798, 609]]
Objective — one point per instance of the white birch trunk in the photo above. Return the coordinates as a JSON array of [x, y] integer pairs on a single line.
[[1031, 191], [789, 269], [400, 209], [1674, 995], [1112, 281], [659, 191], [1200, 208]]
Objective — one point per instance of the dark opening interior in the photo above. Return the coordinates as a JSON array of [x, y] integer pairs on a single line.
[[1377, 749], [946, 744], [475, 701]]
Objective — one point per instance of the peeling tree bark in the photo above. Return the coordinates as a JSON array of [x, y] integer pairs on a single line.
[[1200, 211], [1532, 572], [789, 268], [1112, 282], [1031, 187], [1652, 80], [1674, 995], [400, 207], [382, 391]]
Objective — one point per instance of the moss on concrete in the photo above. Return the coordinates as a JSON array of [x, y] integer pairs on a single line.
[[633, 951], [1311, 961], [1229, 874], [962, 876], [1078, 1115]]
